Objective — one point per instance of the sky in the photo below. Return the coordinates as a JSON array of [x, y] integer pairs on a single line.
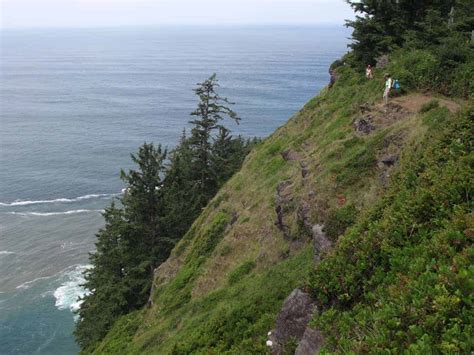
[[107, 13]]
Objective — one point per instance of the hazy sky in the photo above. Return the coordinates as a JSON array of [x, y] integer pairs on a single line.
[[93, 13]]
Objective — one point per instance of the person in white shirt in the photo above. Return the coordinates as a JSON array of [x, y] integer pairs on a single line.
[[388, 87]]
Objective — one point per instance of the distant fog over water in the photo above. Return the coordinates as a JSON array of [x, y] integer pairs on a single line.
[[75, 104]]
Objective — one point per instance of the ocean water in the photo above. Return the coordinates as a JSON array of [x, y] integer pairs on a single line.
[[75, 104]]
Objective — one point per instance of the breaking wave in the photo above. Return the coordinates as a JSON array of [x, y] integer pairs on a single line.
[[58, 200], [27, 284], [67, 295], [43, 214], [6, 252]]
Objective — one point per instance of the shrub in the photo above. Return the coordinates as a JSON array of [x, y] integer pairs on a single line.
[[463, 83], [339, 220], [415, 69], [429, 106], [240, 271], [399, 280]]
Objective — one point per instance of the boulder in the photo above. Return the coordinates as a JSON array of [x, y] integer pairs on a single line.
[[290, 155], [294, 316], [321, 243], [311, 343]]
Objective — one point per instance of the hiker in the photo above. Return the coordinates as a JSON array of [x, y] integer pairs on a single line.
[[388, 86], [396, 87], [369, 73]]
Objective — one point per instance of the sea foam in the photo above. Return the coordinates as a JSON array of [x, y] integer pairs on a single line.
[[67, 295], [27, 284], [58, 200], [45, 214], [6, 252]]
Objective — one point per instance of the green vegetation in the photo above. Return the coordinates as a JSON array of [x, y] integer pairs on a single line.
[[431, 105], [222, 286], [432, 40], [399, 278], [162, 200], [339, 220], [241, 271], [221, 321]]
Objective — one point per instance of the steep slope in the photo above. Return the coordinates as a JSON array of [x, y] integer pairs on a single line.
[[401, 279], [225, 281]]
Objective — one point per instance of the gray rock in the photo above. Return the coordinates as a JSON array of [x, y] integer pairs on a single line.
[[311, 343], [294, 316], [283, 185], [389, 160], [304, 210], [290, 155], [321, 243], [283, 197], [384, 178], [364, 125], [304, 172], [334, 77], [365, 108], [304, 169]]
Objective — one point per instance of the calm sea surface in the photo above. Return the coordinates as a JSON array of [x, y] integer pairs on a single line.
[[76, 103]]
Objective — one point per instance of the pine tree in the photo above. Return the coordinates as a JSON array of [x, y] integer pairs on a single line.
[[211, 110], [162, 199], [383, 25], [179, 192], [106, 299], [128, 249], [147, 244]]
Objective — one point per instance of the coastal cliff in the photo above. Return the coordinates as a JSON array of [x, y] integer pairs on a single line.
[[319, 205]]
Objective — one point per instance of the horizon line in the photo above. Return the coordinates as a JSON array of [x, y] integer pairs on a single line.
[[161, 25]]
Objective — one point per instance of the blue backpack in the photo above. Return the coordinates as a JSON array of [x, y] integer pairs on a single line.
[[396, 84]]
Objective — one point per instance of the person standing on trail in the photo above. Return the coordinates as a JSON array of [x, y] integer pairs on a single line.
[[369, 74], [388, 87]]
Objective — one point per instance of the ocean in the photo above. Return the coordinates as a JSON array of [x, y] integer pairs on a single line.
[[76, 102]]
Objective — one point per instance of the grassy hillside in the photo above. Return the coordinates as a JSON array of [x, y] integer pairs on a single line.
[[225, 281], [402, 277]]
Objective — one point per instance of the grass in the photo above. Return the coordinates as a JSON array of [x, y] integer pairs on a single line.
[[221, 289], [400, 279]]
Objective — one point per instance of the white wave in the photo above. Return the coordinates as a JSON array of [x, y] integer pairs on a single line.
[[28, 284], [67, 295], [57, 200], [6, 252], [43, 214]]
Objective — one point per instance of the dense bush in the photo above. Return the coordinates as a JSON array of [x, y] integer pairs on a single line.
[[339, 220], [401, 279], [241, 271], [446, 69]]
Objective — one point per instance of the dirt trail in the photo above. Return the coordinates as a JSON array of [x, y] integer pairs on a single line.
[[373, 117], [414, 102]]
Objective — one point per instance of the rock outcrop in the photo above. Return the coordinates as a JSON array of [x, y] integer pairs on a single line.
[[321, 242], [311, 343], [283, 196], [292, 321], [290, 155]]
